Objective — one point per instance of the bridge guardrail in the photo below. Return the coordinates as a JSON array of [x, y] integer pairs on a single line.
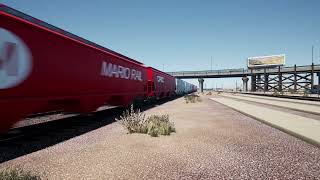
[[242, 71]]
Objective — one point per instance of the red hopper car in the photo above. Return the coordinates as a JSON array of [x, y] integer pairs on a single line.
[[160, 84], [44, 68]]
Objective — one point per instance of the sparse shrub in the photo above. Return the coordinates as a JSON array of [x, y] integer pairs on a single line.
[[209, 93], [152, 130], [17, 174], [305, 93], [155, 125], [192, 98], [133, 121], [160, 125]]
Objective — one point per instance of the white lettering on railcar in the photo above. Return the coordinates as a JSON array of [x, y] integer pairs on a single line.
[[15, 60], [117, 71], [160, 79]]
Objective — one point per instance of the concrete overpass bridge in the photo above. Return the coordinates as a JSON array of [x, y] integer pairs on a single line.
[[281, 78]]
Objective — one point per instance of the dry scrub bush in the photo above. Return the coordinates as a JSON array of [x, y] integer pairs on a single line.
[[17, 174], [192, 98], [160, 125], [209, 93], [133, 121], [155, 125]]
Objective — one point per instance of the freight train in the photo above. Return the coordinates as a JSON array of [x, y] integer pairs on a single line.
[[44, 68]]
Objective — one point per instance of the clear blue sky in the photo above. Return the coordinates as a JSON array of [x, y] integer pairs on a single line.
[[184, 34]]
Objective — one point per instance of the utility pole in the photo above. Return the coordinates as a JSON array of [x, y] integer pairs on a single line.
[[211, 63], [312, 53]]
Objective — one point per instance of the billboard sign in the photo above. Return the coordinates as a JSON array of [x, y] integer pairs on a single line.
[[266, 61]]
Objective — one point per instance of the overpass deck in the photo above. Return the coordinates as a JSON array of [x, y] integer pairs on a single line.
[[241, 72]]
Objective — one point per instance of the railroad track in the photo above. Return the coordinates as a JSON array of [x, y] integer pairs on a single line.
[[301, 108], [24, 140], [308, 98], [32, 123], [27, 139], [11, 135]]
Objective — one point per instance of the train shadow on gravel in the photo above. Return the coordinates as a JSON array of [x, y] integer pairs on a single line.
[[43, 135]]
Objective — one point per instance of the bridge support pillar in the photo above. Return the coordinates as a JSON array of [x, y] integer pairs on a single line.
[[245, 80], [318, 84], [201, 80], [266, 82], [253, 83], [312, 75]]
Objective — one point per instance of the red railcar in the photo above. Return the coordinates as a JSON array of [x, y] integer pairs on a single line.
[[160, 84], [43, 68]]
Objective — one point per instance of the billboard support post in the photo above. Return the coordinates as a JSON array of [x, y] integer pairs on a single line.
[[266, 81], [253, 83], [279, 80]]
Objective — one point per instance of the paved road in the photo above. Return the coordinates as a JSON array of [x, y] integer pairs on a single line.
[[212, 142]]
